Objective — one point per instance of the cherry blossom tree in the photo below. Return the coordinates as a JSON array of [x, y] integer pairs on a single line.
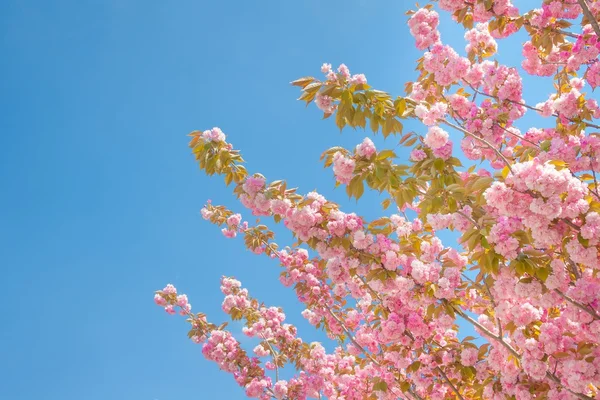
[[525, 272]]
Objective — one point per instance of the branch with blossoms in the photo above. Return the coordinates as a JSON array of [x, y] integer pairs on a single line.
[[257, 190], [213, 213], [388, 290]]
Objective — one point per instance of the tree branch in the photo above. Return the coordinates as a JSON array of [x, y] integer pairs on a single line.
[[454, 389], [550, 375], [578, 305], [590, 16], [591, 125], [482, 140]]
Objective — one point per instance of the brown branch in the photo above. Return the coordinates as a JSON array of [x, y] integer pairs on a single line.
[[482, 140], [517, 136], [274, 354], [548, 28], [550, 375], [582, 307], [454, 389], [468, 218], [590, 16], [591, 125], [595, 191], [354, 342]]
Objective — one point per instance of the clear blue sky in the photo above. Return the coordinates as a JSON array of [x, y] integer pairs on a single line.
[[101, 197]]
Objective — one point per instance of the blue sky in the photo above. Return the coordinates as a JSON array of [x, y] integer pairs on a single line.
[[101, 196]]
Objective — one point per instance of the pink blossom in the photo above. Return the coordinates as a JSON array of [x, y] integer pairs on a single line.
[[592, 75], [343, 168], [280, 389], [214, 135], [325, 103], [344, 71], [358, 79], [170, 310], [418, 155], [468, 356], [169, 289], [431, 115], [444, 152], [234, 220], [423, 26], [436, 137], [159, 300], [229, 233], [480, 41], [182, 300], [366, 148]]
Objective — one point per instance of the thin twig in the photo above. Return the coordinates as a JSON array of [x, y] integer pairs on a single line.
[[595, 191], [482, 140], [274, 354], [517, 136], [454, 389], [550, 375], [468, 218], [591, 125], [590, 16], [354, 342], [582, 307]]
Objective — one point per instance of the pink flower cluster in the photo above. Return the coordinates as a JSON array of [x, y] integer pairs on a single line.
[[538, 194], [325, 103], [445, 64], [181, 301], [214, 135], [431, 115], [342, 76], [366, 148], [423, 27], [436, 138], [343, 168], [233, 224], [480, 41]]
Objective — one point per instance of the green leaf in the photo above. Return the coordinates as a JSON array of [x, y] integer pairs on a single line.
[[542, 273], [385, 154], [414, 367], [411, 142], [482, 183], [400, 106], [381, 386], [359, 190], [303, 82], [374, 124]]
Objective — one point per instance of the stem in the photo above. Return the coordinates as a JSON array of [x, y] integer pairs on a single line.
[[550, 375], [362, 349], [530, 107], [517, 136], [578, 305], [590, 16], [454, 389], [562, 32], [354, 342], [595, 191], [487, 332], [482, 140], [500, 334], [274, 354], [574, 268], [468, 218]]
